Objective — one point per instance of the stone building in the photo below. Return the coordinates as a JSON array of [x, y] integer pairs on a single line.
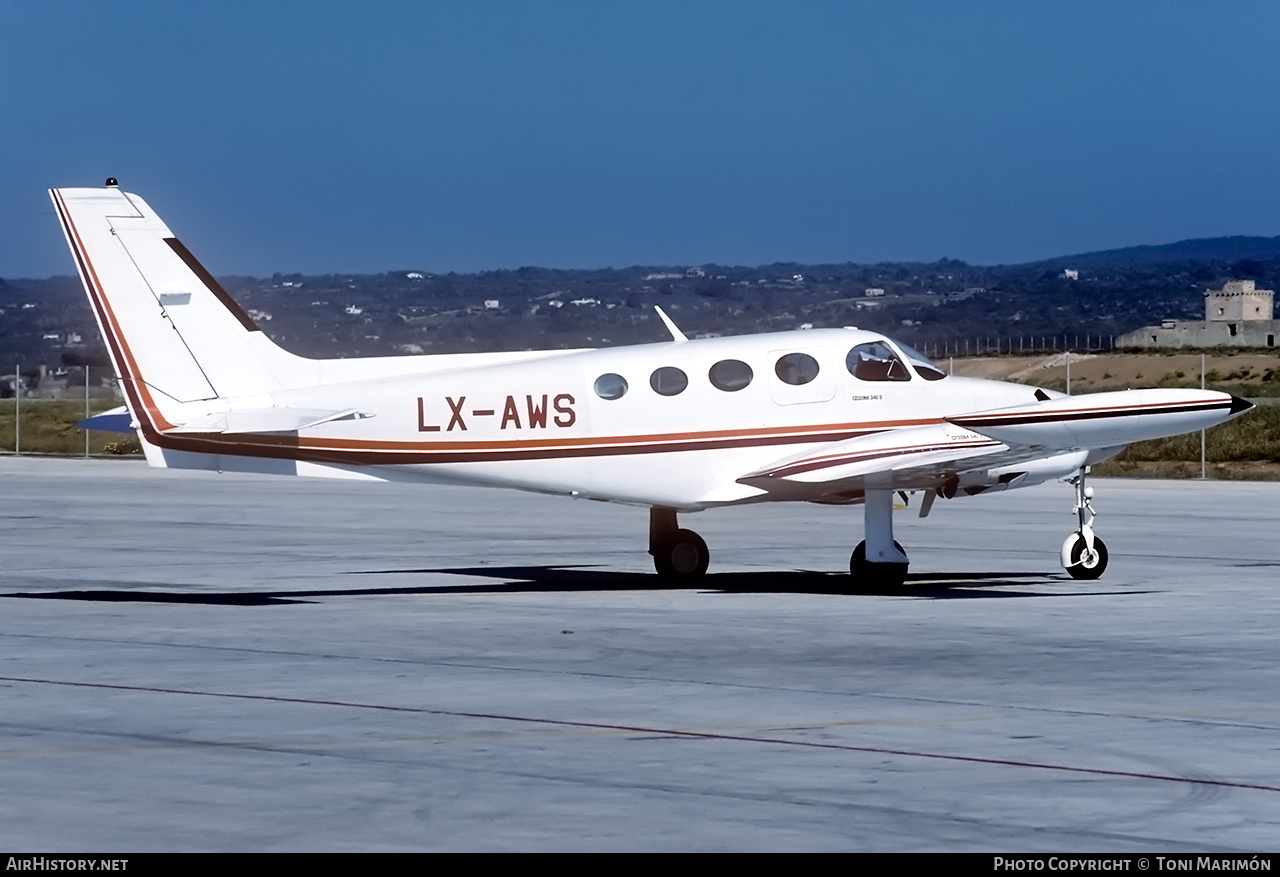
[[1238, 315]]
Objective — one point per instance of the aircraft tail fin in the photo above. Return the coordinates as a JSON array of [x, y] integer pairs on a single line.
[[174, 334]]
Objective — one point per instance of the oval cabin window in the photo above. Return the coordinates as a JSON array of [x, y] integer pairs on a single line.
[[611, 386], [730, 375], [668, 381]]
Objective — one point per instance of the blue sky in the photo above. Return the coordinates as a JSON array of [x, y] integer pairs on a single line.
[[359, 137]]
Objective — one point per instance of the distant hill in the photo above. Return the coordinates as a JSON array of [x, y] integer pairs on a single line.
[[1228, 249], [939, 307]]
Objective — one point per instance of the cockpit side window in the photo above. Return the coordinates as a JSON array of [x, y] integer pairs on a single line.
[[875, 361]]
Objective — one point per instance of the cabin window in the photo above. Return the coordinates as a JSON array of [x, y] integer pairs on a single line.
[[668, 381], [730, 375], [796, 369], [874, 361], [611, 386]]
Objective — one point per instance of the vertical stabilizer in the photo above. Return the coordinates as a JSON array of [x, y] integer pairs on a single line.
[[174, 335]]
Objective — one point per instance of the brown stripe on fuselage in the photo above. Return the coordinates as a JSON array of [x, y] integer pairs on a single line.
[[291, 448]]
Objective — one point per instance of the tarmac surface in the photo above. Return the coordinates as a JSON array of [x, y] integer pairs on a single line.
[[193, 661]]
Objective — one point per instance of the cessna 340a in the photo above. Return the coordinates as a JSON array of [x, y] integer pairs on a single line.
[[827, 416]]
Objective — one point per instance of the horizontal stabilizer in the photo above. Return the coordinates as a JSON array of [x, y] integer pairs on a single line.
[[263, 420], [1101, 420], [115, 420]]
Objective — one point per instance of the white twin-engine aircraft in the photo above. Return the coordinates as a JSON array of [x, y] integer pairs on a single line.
[[828, 416]]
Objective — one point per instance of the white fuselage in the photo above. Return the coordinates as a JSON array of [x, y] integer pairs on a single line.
[[540, 424]]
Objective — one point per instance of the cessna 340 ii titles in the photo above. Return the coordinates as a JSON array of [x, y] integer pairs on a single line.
[[836, 416]]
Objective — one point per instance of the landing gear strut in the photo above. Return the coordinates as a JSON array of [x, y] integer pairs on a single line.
[[1084, 555], [878, 562], [679, 555]]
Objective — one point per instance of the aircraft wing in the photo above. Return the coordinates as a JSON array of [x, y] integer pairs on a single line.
[[996, 448], [915, 458]]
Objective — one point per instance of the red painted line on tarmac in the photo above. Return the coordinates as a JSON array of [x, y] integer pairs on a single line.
[[269, 697], [701, 735]]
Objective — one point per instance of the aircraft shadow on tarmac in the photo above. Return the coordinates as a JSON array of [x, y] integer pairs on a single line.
[[570, 579]]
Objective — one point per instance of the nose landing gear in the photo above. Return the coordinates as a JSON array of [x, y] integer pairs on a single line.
[[1084, 555]]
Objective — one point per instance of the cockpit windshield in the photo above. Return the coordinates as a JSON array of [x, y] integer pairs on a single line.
[[921, 363]]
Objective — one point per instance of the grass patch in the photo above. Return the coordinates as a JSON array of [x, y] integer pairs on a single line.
[[1248, 445], [48, 427]]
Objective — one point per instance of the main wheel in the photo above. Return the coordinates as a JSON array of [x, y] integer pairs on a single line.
[[1087, 564], [869, 576], [681, 556]]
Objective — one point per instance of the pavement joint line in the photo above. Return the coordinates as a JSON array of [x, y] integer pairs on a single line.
[[1208, 715], [435, 738], [669, 732]]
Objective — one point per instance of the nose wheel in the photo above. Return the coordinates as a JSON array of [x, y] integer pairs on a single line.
[[1083, 561], [1084, 555]]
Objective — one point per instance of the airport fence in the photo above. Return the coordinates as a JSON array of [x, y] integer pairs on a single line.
[[45, 423], [1018, 345]]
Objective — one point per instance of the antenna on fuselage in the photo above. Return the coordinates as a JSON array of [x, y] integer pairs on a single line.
[[676, 334]]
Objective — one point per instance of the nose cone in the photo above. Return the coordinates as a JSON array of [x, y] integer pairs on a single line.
[[1239, 406]]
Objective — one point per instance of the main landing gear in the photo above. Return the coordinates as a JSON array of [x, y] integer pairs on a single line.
[[1084, 555], [678, 555], [878, 562]]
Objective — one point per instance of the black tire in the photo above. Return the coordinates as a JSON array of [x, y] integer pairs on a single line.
[[682, 556], [869, 576], [1092, 568]]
